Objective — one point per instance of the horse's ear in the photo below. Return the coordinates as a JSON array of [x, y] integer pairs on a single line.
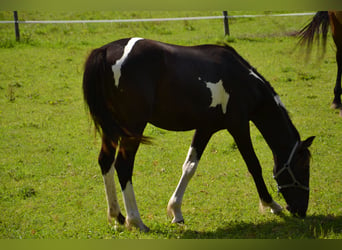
[[307, 143]]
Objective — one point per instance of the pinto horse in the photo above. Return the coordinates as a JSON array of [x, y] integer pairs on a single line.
[[131, 82], [319, 24]]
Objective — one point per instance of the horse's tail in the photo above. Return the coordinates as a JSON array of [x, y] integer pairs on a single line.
[[98, 93], [318, 25]]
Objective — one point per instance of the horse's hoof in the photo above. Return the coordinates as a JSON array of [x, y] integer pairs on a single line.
[[336, 106], [144, 229], [118, 219], [141, 226], [277, 211], [178, 222], [274, 206], [121, 219], [137, 223]]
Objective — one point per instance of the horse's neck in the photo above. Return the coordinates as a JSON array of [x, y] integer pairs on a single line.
[[277, 129]]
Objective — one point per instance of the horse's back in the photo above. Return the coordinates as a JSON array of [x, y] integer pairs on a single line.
[[178, 87]]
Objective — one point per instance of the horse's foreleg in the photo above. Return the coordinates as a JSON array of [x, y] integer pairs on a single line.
[[245, 146], [337, 90], [106, 159], [124, 167], [188, 170], [197, 147]]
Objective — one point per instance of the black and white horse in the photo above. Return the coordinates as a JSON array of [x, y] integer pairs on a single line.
[[206, 88]]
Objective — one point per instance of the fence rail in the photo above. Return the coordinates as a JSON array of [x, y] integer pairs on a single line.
[[118, 20], [225, 17]]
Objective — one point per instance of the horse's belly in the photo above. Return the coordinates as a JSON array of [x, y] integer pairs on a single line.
[[185, 119], [174, 123]]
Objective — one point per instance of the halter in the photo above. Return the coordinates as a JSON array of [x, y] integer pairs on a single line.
[[295, 183]]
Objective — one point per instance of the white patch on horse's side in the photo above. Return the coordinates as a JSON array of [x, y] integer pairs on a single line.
[[278, 101], [133, 216], [112, 201], [116, 68], [188, 170], [219, 96], [252, 73]]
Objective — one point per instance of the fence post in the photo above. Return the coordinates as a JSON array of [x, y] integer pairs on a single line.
[[225, 22], [16, 26]]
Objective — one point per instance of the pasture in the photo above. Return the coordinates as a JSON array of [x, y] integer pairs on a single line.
[[51, 185]]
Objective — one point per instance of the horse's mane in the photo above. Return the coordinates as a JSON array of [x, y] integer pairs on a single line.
[[267, 84], [249, 67]]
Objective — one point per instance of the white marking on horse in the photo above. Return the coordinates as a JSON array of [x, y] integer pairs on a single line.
[[276, 97], [219, 96], [252, 73], [278, 101], [189, 168], [112, 201], [116, 68], [133, 216]]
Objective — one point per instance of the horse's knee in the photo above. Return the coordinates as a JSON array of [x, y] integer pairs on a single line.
[[190, 164]]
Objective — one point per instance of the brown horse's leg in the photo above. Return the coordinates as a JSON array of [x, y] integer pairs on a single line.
[[336, 28], [337, 90]]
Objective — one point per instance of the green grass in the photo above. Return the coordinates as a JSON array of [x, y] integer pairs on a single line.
[[51, 186]]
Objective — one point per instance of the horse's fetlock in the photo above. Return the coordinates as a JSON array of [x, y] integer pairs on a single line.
[[174, 211]]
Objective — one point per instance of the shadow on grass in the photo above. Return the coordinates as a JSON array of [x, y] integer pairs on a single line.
[[312, 227], [315, 226]]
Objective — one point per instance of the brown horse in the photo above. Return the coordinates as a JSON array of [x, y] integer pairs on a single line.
[[319, 24]]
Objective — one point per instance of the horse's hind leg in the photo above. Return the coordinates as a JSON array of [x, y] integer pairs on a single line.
[[106, 160], [337, 90], [336, 28], [197, 147], [124, 167]]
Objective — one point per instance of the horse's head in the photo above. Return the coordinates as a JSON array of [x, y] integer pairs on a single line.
[[293, 178]]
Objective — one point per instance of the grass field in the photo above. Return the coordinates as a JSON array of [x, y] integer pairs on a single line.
[[51, 186]]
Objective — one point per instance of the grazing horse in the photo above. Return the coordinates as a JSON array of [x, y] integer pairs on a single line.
[[206, 88], [311, 31]]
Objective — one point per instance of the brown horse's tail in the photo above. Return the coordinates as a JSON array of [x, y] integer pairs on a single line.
[[98, 93], [318, 25]]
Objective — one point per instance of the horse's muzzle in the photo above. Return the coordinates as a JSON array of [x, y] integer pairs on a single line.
[[296, 212]]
